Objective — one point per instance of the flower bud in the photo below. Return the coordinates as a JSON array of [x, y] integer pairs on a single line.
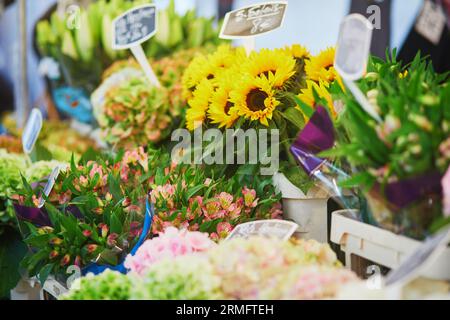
[[104, 230], [77, 261], [55, 241], [126, 202], [65, 260], [111, 241], [87, 233], [371, 76], [108, 197], [45, 230], [91, 248], [53, 254]]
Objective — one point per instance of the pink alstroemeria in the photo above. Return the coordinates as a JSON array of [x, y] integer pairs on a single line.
[[249, 197], [225, 200], [212, 210], [224, 229]]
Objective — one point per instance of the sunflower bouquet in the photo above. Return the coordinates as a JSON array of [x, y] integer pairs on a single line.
[[399, 162], [270, 89]]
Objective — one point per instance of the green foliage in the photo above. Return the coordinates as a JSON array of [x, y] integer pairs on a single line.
[[413, 104]]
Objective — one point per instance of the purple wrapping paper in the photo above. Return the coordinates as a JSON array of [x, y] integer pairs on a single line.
[[39, 217], [405, 192], [317, 136], [36, 216]]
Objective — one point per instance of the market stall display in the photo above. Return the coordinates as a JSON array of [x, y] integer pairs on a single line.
[[148, 209]]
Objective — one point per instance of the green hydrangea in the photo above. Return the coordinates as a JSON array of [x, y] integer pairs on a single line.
[[11, 165], [183, 278], [39, 170], [109, 285]]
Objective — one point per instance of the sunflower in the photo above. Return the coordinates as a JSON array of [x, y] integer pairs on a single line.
[[199, 69], [221, 110], [199, 104], [307, 95], [321, 67], [297, 52], [274, 65], [210, 67], [254, 99]]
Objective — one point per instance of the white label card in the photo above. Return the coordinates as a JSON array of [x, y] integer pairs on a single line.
[[254, 20], [424, 255], [280, 229], [353, 48], [32, 131], [431, 22], [134, 27]]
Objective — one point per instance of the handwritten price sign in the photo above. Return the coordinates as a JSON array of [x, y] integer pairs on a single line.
[[131, 29], [254, 20], [134, 27]]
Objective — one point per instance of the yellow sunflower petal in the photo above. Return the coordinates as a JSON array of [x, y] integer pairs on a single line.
[[321, 67]]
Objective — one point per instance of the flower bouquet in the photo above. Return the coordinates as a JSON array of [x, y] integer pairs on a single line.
[[400, 161], [186, 197], [12, 165], [92, 218], [274, 90]]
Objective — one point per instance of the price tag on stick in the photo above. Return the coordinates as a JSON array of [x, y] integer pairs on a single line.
[[279, 229], [133, 28], [31, 131], [420, 259], [49, 186], [249, 22], [352, 56]]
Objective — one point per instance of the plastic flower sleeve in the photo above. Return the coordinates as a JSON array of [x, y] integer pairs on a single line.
[[318, 136]]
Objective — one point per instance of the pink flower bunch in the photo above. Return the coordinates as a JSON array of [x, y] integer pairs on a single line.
[[172, 243], [446, 192]]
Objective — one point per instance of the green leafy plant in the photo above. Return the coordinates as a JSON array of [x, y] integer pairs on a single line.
[[96, 210]]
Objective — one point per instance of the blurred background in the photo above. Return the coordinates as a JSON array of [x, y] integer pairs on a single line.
[[313, 23]]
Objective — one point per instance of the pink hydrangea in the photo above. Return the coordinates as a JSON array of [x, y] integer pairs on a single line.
[[446, 192], [170, 244]]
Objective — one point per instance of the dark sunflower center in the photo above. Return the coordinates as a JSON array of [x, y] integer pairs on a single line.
[[228, 106], [210, 77], [255, 100]]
